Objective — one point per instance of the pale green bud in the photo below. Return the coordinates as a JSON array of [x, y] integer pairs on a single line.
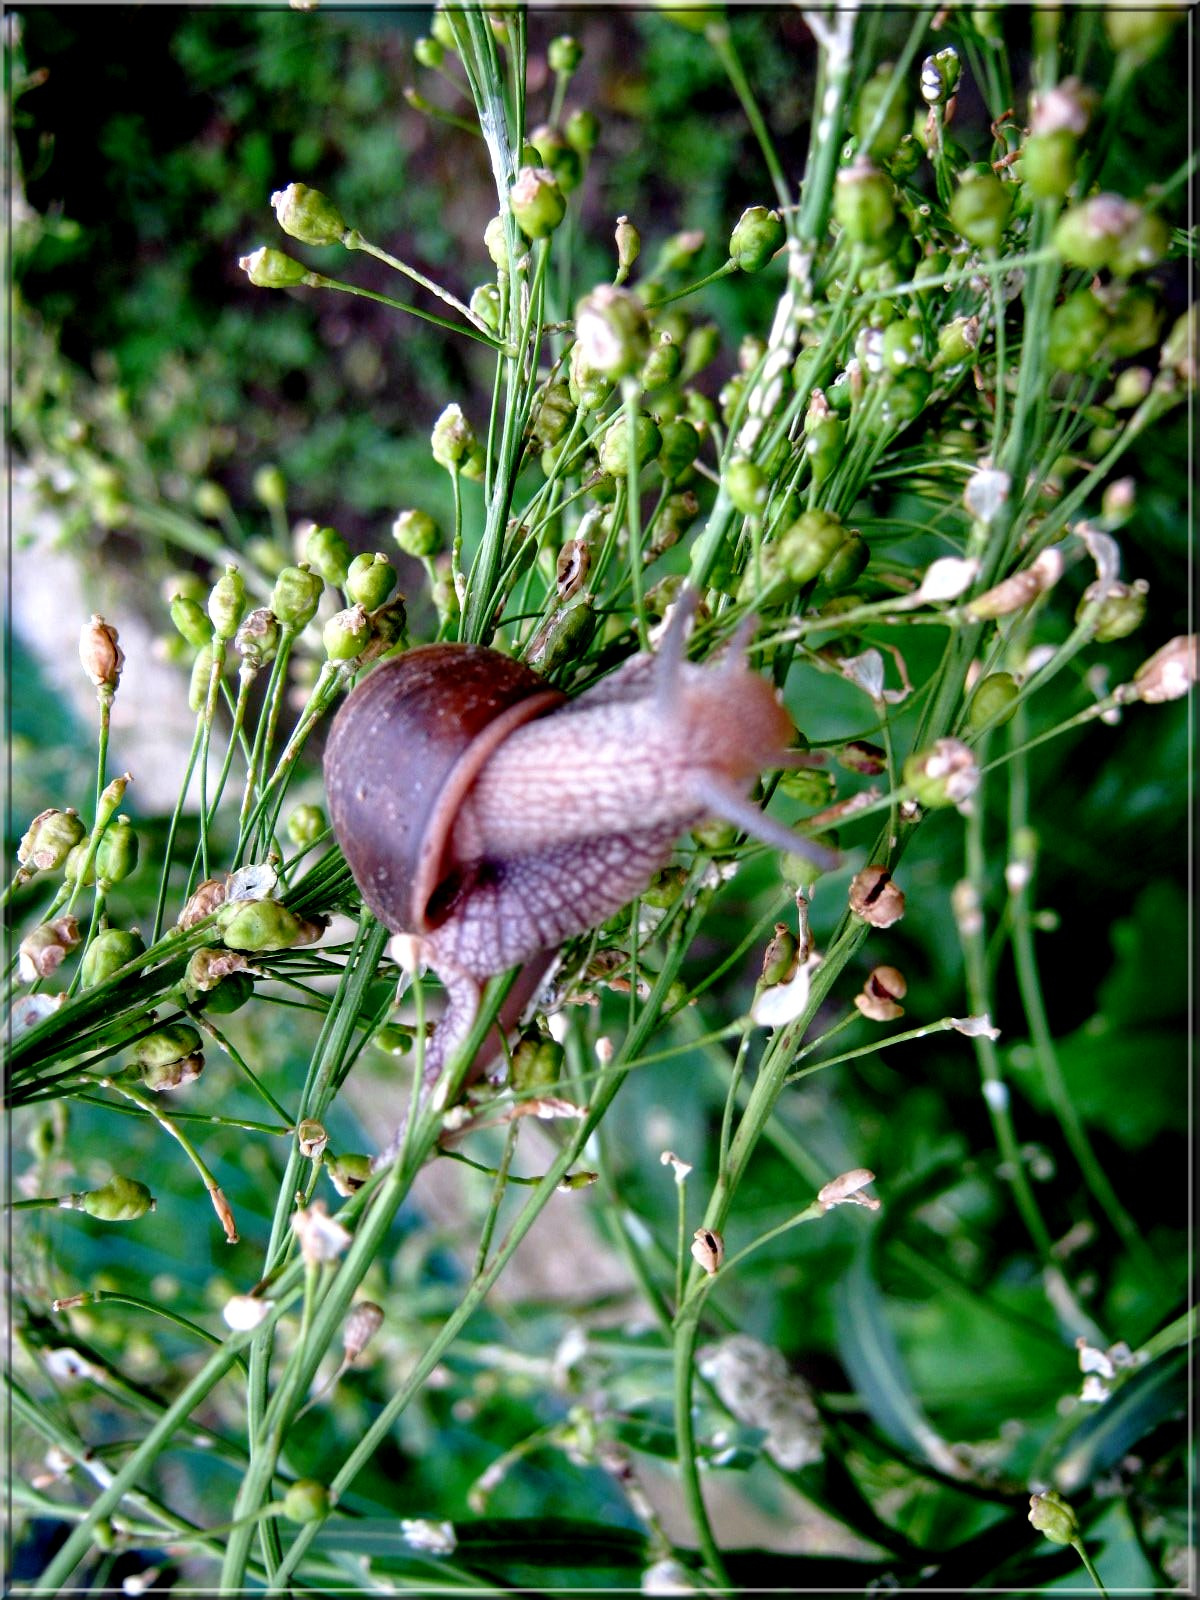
[[308, 215]]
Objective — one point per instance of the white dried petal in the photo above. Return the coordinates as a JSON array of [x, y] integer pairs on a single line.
[[756, 1386], [1093, 1360], [245, 1311], [1105, 552], [986, 493], [322, 1238], [847, 1190], [255, 882], [946, 579], [667, 1577], [784, 1002], [975, 1027], [680, 1168], [435, 1538], [1093, 1391]]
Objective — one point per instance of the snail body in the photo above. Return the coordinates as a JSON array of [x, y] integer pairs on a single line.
[[486, 818]]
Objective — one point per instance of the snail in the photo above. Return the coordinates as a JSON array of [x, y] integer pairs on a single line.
[[487, 818]]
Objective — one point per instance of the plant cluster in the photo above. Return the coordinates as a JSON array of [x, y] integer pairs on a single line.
[[917, 482]]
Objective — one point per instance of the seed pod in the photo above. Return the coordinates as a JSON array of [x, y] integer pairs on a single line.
[[452, 438], [227, 603], [1050, 1514], [416, 533], [536, 1063], [992, 704], [612, 332], [629, 247], [272, 269], [756, 236], [328, 553], [708, 1248], [41, 951], [980, 208], [1048, 163], [663, 363], [614, 447], [1122, 610], [167, 1044], [311, 1139], [295, 597], [558, 156], [348, 1173], [305, 825], [537, 202], [880, 87], [780, 957], [847, 564], [117, 852], [582, 130], [363, 1322], [808, 544], [119, 1200], [191, 619], [100, 654], [1107, 230], [109, 951], [863, 203], [946, 774], [746, 485], [680, 447], [306, 1501], [1169, 673], [429, 52], [1077, 330], [875, 897], [308, 215], [201, 679], [884, 989], [264, 925], [257, 640], [49, 840]]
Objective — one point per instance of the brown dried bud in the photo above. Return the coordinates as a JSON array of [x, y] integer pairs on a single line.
[[708, 1248], [884, 988], [101, 655], [860, 756], [363, 1322], [202, 902], [875, 898], [322, 1237], [846, 1190], [1022, 588], [210, 966], [1169, 672]]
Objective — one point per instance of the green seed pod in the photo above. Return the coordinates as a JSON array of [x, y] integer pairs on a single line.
[[905, 398], [257, 640], [164, 1075], [230, 994], [261, 925], [662, 365], [896, 119], [946, 774], [823, 447], [612, 333], [347, 634], [809, 785], [980, 207], [475, 466], [665, 888], [730, 396], [1077, 330], [1179, 347], [565, 637], [452, 438], [905, 159], [393, 1039], [227, 603], [306, 1501], [553, 416], [903, 343], [629, 246], [272, 269], [49, 840], [556, 156], [587, 388], [847, 564], [1050, 1513], [443, 593], [1140, 32], [700, 411], [1122, 610], [495, 239], [1048, 163], [295, 597], [537, 202], [757, 235], [678, 251], [117, 852], [119, 1200], [582, 130], [441, 29], [700, 348], [614, 447], [191, 619], [201, 678], [746, 485], [485, 303], [1135, 324], [327, 553], [564, 55], [348, 1173], [429, 52], [537, 1063], [780, 956], [957, 342], [808, 544], [863, 203], [680, 447], [370, 580], [308, 215], [1107, 230], [167, 1044], [416, 533], [1141, 246], [108, 952], [270, 486], [305, 825], [211, 502], [77, 868], [992, 704]]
